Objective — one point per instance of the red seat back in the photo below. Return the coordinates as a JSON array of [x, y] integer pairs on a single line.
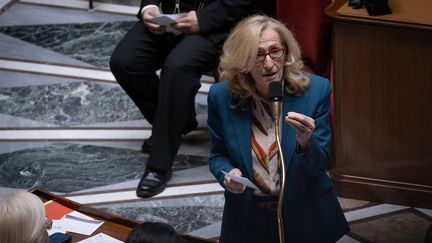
[[307, 20]]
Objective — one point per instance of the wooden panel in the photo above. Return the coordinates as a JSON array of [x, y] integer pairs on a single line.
[[382, 98]]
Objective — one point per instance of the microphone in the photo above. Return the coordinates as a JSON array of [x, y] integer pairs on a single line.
[[275, 96]]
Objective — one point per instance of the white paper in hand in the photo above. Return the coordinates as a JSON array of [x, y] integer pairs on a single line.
[[168, 19], [242, 180]]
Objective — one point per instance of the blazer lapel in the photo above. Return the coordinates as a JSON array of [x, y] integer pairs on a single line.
[[242, 126], [288, 133]]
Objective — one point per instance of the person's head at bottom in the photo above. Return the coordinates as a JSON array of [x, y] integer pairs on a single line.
[[22, 219], [154, 232]]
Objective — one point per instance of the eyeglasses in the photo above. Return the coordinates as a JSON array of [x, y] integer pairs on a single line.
[[274, 54]]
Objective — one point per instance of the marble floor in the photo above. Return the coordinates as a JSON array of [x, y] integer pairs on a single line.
[[68, 128]]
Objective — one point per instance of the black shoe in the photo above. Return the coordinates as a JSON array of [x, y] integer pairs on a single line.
[[147, 145], [152, 182]]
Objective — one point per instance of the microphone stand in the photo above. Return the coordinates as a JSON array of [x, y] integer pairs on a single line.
[[276, 119], [276, 87]]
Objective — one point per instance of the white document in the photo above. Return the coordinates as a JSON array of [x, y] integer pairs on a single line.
[[168, 19], [100, 238], [76, 222], [57, 226], [242, 180]]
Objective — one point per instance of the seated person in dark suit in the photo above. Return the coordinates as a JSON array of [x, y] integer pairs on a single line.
[[168, 101]]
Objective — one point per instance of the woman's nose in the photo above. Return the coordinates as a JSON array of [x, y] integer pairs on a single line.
[[268, 62]]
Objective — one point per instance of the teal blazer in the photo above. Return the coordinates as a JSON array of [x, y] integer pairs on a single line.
[[311, 210]]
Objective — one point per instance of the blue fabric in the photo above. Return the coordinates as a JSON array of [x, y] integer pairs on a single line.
[[311, 210], [59, 238]]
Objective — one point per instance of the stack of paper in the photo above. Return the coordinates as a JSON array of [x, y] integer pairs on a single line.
[[100, 238], [68, 220]]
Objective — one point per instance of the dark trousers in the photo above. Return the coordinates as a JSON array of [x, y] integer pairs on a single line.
[[168, 102], [262, 223]]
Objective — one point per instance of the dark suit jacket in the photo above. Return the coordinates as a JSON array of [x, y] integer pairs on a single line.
[[215, 19], [311, 210]]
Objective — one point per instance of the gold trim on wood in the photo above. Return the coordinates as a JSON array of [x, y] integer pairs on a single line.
[[375, 181]]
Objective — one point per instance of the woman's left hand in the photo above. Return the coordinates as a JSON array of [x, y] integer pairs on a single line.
[[303, 125], [233, 186]]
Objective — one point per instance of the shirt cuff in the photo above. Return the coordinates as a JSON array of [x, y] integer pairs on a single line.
[[147, 7]]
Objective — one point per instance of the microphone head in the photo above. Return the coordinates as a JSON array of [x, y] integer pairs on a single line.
[[275, 91]]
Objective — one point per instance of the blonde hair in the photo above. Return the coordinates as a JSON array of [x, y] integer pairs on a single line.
[[22, 219], [240, 51]]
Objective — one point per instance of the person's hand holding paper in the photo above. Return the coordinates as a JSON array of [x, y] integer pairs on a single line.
[[188, 24], [147, 16], [235, 183], [168, 21]]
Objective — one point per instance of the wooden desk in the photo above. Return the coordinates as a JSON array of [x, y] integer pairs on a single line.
[[114, 225], [383, 103], [416, 12]]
